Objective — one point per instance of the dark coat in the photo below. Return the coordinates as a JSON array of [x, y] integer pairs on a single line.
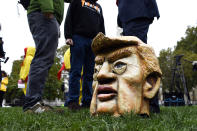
[[131, 9]]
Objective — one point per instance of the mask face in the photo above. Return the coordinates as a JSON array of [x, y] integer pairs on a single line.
[[126, 76], [117, 83]]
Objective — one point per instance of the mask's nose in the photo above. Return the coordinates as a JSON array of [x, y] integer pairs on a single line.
[[105, 75]]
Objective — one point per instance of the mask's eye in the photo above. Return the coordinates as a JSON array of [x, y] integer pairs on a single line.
[[119, 67], [96, 71]]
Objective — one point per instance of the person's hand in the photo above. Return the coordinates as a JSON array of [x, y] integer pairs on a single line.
[[48, 15], [69, 41], [1, 41], [20, 81]]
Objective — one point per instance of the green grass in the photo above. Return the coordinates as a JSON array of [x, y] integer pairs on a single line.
[[170, 118]]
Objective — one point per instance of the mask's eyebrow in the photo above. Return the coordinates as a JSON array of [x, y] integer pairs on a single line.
[[99, 60], [119, 54]]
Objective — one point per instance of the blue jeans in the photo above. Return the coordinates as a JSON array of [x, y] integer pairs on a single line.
[[45, 33], [81, 56]]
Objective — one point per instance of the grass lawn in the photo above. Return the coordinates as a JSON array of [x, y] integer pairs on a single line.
[[170, 118]]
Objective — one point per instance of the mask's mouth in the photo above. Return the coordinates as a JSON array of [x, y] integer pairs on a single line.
[[106, 93]]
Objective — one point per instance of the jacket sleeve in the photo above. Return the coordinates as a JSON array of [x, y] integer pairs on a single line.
[[46, 6], [69, 20], [102, 23]]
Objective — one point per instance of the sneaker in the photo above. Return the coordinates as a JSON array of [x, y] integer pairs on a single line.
[[74, 106], [39, 108]]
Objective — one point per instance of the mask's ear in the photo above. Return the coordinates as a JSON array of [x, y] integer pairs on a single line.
[[151, 85]]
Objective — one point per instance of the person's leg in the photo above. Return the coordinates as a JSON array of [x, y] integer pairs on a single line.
[[45, 33], [1, 97], [154, 104], [0, 73], [66, 99], [88, 71], [77, 57], [137, 27]]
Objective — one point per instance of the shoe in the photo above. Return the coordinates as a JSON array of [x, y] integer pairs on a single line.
[[39, 108], [74, 106], [154, 109], [154, 104]]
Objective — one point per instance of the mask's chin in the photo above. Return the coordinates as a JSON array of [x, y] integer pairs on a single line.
[[107, 106]]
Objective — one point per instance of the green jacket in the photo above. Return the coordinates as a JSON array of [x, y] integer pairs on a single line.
[[54, 6]]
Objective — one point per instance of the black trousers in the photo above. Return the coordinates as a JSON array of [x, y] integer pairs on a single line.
[[1, 97], [137, 27]]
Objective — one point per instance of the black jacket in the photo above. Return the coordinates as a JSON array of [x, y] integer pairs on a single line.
[[84, 17], [132, 9]]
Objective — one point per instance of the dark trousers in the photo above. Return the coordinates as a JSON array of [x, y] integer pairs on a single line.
[[0, 73], [81, 57], [154, 104], [45, 33], [1, 97], [137, 27]]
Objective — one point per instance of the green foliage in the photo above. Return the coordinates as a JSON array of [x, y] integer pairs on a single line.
[[13, 91], [187, 46], [189, 42], [60, 54], [166, 64], [190, 75], [170, 119], [52, 88], [61, 51]]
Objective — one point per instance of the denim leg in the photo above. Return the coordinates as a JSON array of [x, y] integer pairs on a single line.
[[88, 70], [45, 33], [77, 58]]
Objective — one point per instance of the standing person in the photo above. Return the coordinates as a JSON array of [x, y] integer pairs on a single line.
[[25, 66], [84, 21], [44, 18], [2, 53], [135, 17], [3, 86], [66, 67]]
